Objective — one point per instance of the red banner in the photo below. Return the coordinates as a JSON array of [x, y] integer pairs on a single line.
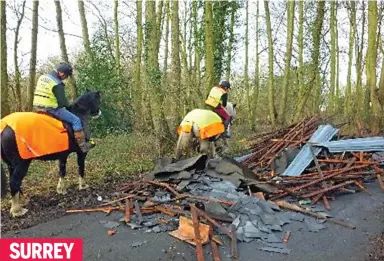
[[41, 249]]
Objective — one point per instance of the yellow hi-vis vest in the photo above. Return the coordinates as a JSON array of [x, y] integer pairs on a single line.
[[214, 97], [44, 96], [208, 122]]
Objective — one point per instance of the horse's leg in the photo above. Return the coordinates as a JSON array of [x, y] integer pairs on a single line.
[[19, 172], [184, 144], [213, 148], [23, 201], [204, 146], [226, 145], [61, 185], [81, 165]]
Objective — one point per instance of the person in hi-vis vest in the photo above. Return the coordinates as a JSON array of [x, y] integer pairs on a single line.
[[50, 97], [217, 101]]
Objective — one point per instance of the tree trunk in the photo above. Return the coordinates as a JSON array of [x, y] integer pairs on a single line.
[[63, 48], [184, 102], [246, 80], [32, 62], [159, 16], [15, 58], [380, 43], [288, 56], [316, 36], [209, 73], [352, 33], [140, 100], [4, 75], [337, 86], [153, 75], [219, 37], [371, 64], [331, 98], [117, 37], [198, 51], [359, 100], [166, 51], [381, 83], [231, 39], [302, 90], [176, 70], [271, 91], [257, 70], [84, 28]]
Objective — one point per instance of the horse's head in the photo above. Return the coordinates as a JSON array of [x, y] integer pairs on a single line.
[[87, 104], [231, 109]]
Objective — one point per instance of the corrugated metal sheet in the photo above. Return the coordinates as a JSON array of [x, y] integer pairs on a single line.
[[360, 144], [323, 133], [243, 157]]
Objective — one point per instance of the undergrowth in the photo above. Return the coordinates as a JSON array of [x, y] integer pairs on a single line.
[[115, 159]]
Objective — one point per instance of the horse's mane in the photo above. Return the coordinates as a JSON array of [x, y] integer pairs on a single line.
[[81, 103]]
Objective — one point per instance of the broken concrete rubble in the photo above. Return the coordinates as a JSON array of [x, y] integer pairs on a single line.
[[223, 192]]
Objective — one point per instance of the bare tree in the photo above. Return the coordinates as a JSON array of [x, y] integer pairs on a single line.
[[63, 48], [117, 37], [271, 89], [20, 16], [84, 28], [288, 56], [208, 46], [4, 75], [352, 36], [371, 63], [32, 62]]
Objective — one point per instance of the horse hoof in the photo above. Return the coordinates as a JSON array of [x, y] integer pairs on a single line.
[[18, 213], [24, 201], [84, 186], [61, 187]]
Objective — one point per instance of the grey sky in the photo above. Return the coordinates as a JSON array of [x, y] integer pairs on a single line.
[[48, 42]]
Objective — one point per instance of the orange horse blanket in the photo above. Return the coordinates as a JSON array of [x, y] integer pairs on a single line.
[[36, 134]]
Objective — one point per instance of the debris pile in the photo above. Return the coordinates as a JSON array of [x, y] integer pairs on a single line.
[[222, 201], [214, 202], [307, 161]]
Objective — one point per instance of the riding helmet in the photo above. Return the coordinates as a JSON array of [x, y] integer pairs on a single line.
[[65, 68], [225, 84]]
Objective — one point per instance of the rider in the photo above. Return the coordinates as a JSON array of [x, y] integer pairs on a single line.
[[217, 101], [50, 97]]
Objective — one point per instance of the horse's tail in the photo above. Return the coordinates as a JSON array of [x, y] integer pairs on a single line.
[[3, 182], [178, 147]]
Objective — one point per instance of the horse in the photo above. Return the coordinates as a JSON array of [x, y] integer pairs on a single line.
[[192, 135], [85, 107]]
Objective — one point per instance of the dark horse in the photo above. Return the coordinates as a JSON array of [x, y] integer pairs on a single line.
[[85, 107]]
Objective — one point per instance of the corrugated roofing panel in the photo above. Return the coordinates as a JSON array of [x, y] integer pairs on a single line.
[[360, 144], [323, 133]]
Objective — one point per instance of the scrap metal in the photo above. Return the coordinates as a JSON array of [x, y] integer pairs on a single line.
[[358, 145], [304, 158], [249, 199], [199, 246], [215, 249]]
